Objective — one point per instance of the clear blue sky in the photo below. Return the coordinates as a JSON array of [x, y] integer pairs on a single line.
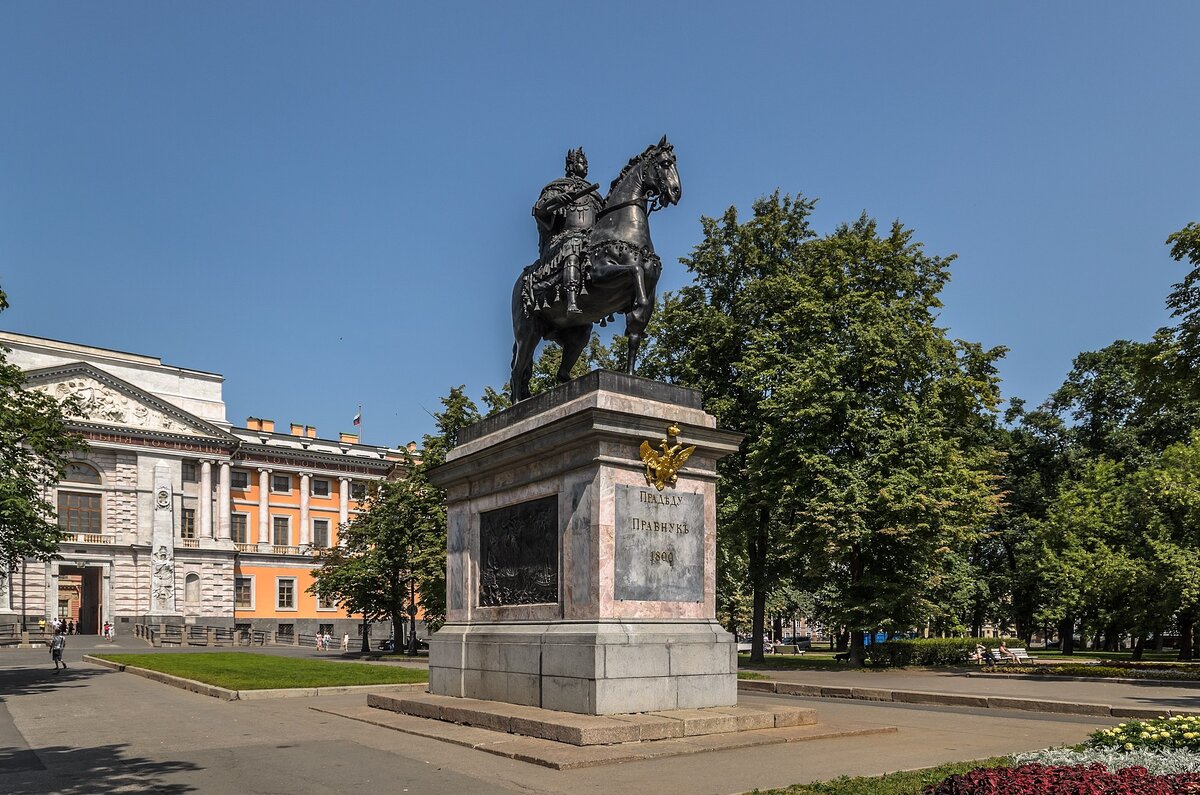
[[328, 203]]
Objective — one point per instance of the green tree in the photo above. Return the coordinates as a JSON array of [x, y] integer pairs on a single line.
[[380, 568], [35, 447], [865, 461]]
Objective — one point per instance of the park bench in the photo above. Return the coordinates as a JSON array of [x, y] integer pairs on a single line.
[[785, 648], [1021, 654]]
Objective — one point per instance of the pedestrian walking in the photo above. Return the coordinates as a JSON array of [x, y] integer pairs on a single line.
[[57, 644], [320, 642], [346, 642], [328, 641], [70, 626]]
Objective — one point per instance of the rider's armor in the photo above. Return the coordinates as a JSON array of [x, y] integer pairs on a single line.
[[564, 218]]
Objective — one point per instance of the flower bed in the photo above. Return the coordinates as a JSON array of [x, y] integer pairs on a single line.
[[1178, 732], [1157, 761], [1037, 779]]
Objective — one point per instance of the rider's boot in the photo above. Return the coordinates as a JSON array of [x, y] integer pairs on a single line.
[[572, 280]]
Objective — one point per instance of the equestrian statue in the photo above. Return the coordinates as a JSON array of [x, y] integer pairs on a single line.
[[595, 259]]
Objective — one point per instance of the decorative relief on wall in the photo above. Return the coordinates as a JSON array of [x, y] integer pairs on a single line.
[[518, 554], [163, 579], [104, 404]]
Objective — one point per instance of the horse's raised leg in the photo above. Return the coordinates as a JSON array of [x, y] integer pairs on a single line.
[[573, 340]]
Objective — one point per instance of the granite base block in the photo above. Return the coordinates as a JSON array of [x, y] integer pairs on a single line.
[[592, 668]]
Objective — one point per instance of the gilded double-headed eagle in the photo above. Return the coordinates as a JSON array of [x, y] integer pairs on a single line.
[[662, 468]]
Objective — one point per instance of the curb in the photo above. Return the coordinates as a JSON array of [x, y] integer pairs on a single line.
[[225, 694], [1121, 680], [954, 700]]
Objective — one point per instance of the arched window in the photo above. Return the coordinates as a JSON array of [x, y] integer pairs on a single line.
[[191, 588], [78, 472]]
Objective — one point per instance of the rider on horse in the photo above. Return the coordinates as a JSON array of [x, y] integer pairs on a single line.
[[565, 212]]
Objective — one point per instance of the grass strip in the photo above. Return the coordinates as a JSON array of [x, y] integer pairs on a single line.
[[249, 671], [910, 782]]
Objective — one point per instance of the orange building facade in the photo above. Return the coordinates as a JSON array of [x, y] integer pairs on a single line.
[[175, 515]]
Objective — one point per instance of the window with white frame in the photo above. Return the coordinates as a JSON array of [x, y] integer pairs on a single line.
[[243, 592], [320, 487], [239, 528], [285, 593], [79, 513], [326, 603], [281, 531], [281, 484], [320, 533]]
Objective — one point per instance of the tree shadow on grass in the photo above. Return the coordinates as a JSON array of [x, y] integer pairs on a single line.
[[86, 771]]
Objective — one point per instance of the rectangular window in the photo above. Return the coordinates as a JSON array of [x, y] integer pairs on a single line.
[[320, 488], [325, 629], [287, 630], [326, 603], [358, 491], [187, 523], [238, 523], [239, 479], [285, 590], [79, 513], [281, 484], [243, 592], [189, 472], [320, 535], [281, 531]]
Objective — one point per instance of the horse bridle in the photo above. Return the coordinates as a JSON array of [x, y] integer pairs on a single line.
[[655, 199]]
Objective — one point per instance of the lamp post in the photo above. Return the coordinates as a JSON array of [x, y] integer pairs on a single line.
[[412, 616], [24, 578]]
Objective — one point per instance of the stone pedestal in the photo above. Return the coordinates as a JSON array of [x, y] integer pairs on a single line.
[[571, 583]]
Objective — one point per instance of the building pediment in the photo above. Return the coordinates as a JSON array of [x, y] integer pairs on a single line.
[[105, 400]]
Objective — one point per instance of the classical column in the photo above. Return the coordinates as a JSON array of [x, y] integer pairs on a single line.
[[305, 529], [223, 506], [343, 501], [204, 503], [264, 491]]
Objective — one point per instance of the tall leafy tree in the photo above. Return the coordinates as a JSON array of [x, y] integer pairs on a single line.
[[35, 446], [866, 460]]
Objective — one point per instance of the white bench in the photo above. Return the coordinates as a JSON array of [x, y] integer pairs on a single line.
[[784, 648], [1019, 652]]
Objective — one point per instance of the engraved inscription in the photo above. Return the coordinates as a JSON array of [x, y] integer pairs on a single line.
[[518, 554], [659, 545]]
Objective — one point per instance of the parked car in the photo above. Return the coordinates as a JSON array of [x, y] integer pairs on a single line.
[[803, 642], [388, 644]]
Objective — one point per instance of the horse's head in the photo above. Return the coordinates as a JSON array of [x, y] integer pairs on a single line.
[[661, 177]]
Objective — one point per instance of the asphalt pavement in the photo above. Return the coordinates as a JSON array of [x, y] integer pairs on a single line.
[[92, 730]]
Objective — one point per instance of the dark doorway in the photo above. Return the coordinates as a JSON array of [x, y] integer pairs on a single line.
[[85, 603]]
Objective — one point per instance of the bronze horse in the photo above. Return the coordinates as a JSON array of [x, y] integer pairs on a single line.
[[620, 276]]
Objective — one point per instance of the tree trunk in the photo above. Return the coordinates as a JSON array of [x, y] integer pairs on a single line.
[[1158, 641], [366, 640], [757, 627], [759, 541], [777, 629], [858, 651], [843, 639], [1187, 625], [1138, 647], [1066, 635], [977, 629]]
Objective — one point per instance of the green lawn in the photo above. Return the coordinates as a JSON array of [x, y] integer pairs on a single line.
[[908, 783], [248, 671]]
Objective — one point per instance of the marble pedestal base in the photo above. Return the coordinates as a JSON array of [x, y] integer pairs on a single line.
[[573, 584], [588, 667]]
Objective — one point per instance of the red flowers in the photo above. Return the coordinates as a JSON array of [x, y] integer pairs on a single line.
[[1035, 779]]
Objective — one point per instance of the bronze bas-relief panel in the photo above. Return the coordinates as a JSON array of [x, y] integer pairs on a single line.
[[518, 554]]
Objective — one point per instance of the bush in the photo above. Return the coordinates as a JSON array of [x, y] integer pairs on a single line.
[[1105, 671], [928, 651], [1181, 731], [1036, 779], [1157, 761]]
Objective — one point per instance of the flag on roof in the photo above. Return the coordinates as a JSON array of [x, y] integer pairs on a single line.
[[358, 416]]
